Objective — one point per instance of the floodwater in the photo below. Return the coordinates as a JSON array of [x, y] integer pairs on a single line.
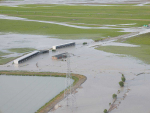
[[138, 99], [26, 94], [18, 2], [103, 71], [39, 42]]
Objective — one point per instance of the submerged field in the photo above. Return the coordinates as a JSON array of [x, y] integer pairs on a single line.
[[142, 52], [72, 21]]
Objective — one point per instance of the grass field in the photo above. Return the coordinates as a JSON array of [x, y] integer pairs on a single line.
[[2, 53], [87, 15], [52, 29], [142, 52], [6, 60], [21, 50]]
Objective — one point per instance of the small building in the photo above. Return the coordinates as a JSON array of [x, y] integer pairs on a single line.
[[26, 57], [63, 45], [59, 56]]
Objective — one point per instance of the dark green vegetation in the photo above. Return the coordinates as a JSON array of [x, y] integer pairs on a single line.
[[114, 96], [94, 16], [121, 84], [76, 77], [53, 50], [109, 104], [21, 50], [142, 52], [84, 43], [105, 110], [123, 78]]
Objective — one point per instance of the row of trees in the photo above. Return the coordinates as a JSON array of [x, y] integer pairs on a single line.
[[123, 79], [114, 96]]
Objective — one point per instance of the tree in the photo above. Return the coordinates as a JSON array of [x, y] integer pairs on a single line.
[[109, 104], [114, 96], [84, 43], [105, 110], [121, 83], [123, 79], [118, 91]]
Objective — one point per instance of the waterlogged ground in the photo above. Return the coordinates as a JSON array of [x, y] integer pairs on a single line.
[[26, 94], [103, 71], [16, 2]]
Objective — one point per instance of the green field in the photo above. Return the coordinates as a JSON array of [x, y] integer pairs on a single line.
[[140, 40], [2, 53], [6, 60], [90, 16], [21, 50], [78, 15], [142, 52], [56, 30]]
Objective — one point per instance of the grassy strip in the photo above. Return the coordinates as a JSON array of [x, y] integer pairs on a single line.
[[49, 105], [143, 39], [6, 60], [21, 50], [142, 52], [2, 53]]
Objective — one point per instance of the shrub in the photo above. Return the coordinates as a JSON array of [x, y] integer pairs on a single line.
[[53, 50], [121, 83], [105, 110], [109, 103], [123, 79], [118, 91], [114, 96], [84, 43]]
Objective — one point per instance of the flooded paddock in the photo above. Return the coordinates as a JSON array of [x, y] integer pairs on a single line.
[[92, 2], [26, 94], [103, 71]]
